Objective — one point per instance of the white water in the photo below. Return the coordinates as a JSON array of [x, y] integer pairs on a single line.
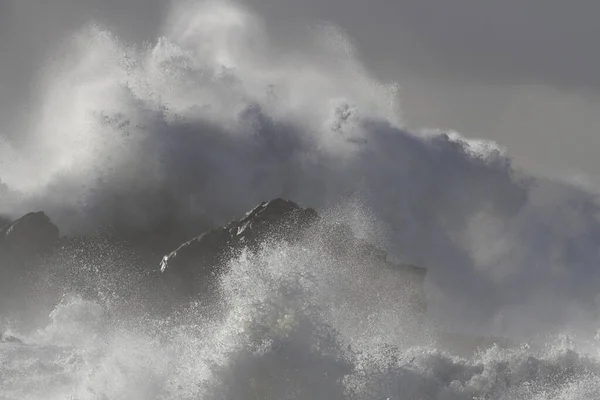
[[211, 119], [295, 325]]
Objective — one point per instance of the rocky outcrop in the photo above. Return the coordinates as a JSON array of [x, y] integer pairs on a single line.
[[191, 268], [24, 245], [279, 218], [28, 236], [9, 339]]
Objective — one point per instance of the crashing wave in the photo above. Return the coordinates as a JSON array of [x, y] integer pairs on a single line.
[[186, 133]]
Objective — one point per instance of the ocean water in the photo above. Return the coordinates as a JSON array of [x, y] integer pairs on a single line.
[[289, 323], [213, 117]]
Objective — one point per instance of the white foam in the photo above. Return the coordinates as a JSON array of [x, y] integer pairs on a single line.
[[210, 119]]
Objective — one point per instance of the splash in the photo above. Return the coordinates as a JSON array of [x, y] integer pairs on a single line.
[[210, 119], [285, 331]]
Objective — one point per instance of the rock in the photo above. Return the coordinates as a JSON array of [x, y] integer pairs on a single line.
[[9, 339], [29, 235], [191, 268], [191, 263], [278, 219], [24, 244]]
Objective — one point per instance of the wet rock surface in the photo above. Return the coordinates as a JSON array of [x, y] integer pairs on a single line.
[[29, 235], [32, 244], [191, 267], [277, 219]]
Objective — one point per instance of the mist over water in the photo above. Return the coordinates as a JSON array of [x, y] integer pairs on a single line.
[[210, 119]]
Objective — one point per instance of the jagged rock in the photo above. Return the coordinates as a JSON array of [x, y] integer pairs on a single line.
[[202, 256], [192, 265], [29, 235], [9, 339], [278, 218], [24, 244]]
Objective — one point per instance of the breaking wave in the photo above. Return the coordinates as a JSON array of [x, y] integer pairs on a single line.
[[209, 120], [294, 327]]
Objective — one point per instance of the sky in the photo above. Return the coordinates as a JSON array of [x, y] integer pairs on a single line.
[[521, 72]]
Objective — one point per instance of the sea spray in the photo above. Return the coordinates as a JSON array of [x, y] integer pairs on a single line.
[[208, 120], [280, 334]]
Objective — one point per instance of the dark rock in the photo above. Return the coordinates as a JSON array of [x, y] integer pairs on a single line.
[[9, 339], [24, 244], [32, 244], [29, 235], [279, 219], [189, 266], [192, 266]]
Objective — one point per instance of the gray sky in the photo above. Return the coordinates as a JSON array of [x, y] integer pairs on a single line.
[[521, 72]]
